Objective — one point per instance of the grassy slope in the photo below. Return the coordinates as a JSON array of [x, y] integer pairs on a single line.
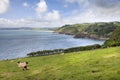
[[72, 28], [101, 64], [103, 29]]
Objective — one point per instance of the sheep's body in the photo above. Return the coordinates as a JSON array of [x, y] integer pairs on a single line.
[[23, 65]]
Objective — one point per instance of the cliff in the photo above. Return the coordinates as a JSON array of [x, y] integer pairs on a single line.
[[99, 30]]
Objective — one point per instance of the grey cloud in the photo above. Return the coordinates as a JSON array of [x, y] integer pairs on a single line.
[[105, 3], [96, 11], [102, 8]]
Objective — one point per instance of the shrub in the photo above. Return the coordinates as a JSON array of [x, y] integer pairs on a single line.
[[114, 39]]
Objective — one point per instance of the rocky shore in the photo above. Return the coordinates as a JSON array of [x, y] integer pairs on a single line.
[[85, 35], [91, 36]]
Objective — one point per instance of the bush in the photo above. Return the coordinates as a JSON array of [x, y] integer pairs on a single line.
[[114, 39], [111, 43]]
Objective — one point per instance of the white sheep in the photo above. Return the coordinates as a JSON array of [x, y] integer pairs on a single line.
[[22, 65]]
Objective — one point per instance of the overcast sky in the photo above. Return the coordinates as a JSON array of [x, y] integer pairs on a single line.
[[55, 13]]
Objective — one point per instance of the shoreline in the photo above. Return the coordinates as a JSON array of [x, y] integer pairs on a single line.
[[45, 50], [82, 35]]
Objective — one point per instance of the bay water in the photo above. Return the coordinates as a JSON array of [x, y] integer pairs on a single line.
[[18, 43]]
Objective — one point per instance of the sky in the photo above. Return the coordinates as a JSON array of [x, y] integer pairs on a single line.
[[56, 13]]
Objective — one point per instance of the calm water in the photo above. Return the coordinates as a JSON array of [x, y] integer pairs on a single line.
[[17, 43]]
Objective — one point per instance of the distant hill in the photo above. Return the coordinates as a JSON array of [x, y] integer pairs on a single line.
[[21, 28], [98, 30], [28, 28]]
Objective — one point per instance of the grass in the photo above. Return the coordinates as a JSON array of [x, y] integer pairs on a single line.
[[101, 64]]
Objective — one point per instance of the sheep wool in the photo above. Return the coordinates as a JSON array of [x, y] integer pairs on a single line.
[[23, 65]]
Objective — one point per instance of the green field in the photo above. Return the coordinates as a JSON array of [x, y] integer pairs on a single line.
[[100, 64]]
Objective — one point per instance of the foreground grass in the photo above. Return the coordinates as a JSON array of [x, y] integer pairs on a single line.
[[101, 64]]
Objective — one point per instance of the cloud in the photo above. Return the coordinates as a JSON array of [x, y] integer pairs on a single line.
[[16, 23], [87, 11], [71, 1], [44, 14], [108, 8], [41, 7], [44, 18], [49, 18], [25, 4], [4, 5], [52, 15], [95, 11], [82, 3], [106, 3], [9, 23], [65, 5]]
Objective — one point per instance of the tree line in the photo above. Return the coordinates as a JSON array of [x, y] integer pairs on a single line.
[[46, 52], [59, 51]]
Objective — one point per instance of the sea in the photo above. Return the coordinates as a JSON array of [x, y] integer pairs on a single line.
[[18, 43]]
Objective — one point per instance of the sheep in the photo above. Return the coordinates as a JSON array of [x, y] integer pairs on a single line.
[[22, 65]]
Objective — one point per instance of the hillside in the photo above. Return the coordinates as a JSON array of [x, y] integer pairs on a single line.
[[98, 30], [100, 64], [114, 38]]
